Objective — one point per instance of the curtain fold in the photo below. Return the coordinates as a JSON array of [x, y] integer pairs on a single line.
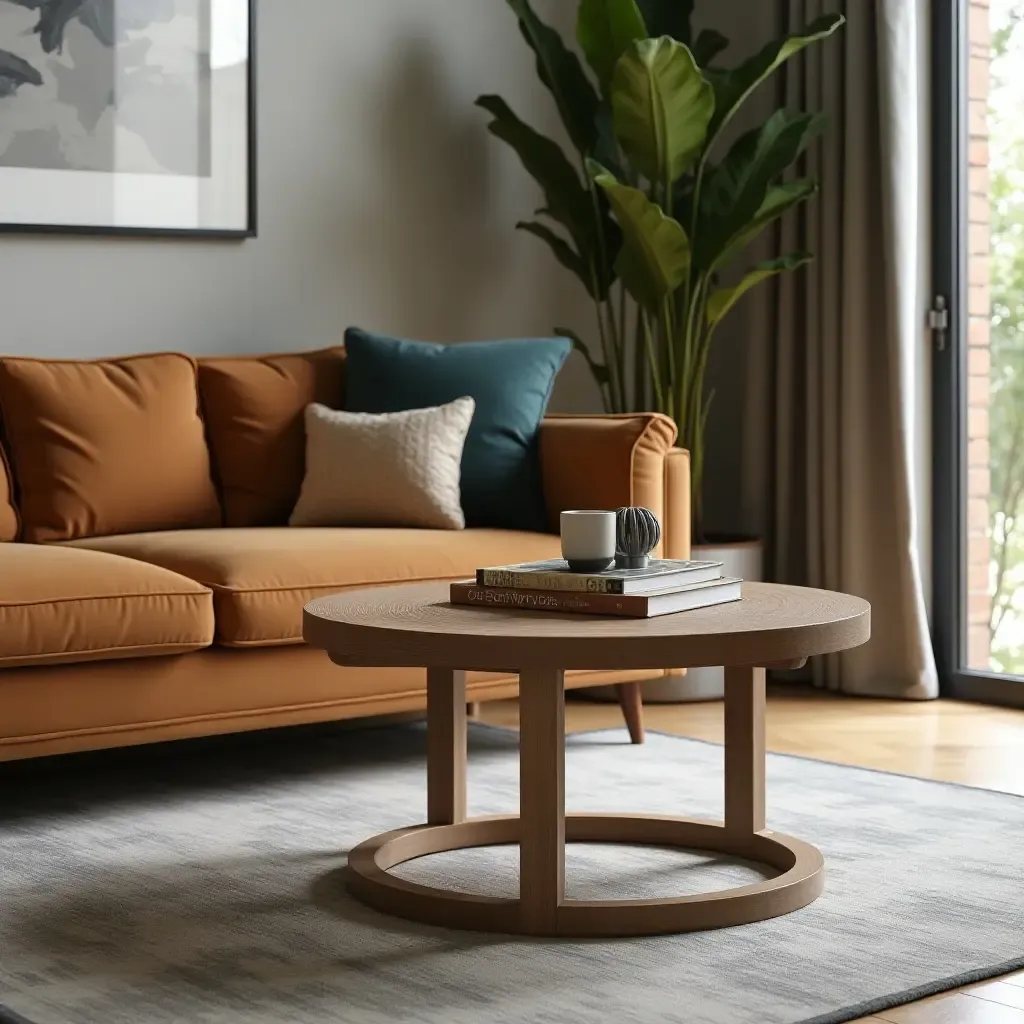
[[848, 336]]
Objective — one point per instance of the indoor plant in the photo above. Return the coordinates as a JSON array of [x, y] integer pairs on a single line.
[[652, 206]]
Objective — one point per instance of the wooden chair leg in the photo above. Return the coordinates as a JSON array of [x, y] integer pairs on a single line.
[[473, 709], [632, 710]]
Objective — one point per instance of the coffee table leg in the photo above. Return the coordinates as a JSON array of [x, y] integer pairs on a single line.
[[541, 799], [446, 746], [744, 750]]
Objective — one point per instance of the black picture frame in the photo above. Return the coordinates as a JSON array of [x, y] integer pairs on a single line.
[[250, 230]]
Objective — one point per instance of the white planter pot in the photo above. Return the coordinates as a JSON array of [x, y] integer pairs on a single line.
[[741, 558]]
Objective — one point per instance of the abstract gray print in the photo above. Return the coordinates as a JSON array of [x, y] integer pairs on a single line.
[[106, 85]]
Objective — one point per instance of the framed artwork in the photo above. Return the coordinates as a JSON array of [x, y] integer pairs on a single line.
[[128, 117]]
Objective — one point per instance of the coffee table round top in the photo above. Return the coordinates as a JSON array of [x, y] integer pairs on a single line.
[[414, 625]]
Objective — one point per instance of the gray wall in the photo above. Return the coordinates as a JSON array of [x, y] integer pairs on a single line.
[[384, 203]]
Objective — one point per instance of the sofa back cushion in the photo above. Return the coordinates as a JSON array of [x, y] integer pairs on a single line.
[[106, 446], [8, 514], [254, 408]]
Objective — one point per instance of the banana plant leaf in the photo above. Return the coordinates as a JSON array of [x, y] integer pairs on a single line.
[[737, 187], [779, 200], [733, 87], [601, 372], [561, 71], [707, 46], [668, 18], [566, 200], [655, 256], [605, 29], [661, 108], [722, 300], [564, 253]]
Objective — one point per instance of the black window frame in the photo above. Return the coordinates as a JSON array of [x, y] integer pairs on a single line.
[[950, 64]]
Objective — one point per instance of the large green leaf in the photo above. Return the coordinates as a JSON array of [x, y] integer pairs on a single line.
[[607, 151], [779, 200], [601, 372], [724, 299], [655, 256], [707, 46], [668, 18], [566, 199], [733, 87], [736, 188], [661, 107], [563, 251], [560, 70], [605, 29]]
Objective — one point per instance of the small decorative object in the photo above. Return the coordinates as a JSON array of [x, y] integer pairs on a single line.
[[127, 118], [637, 532], [588, 539]]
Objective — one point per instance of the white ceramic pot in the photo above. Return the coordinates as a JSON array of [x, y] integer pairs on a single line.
[[741, 557]]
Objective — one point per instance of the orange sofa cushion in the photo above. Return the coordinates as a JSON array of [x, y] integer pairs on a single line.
[[253, 407], [8, 513], [106, 446], [61, 605], [261, 578]]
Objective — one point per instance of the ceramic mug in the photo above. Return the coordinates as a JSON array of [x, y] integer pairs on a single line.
[[588, 539]]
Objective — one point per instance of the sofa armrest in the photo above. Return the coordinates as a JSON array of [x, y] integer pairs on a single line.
[[615, 460]]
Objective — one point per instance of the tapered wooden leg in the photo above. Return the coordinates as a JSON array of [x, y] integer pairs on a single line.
[[446, 746], [744, 750], [631, 702], [473, 709], [541, 799]]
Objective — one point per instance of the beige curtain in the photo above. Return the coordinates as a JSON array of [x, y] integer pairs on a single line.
[[849, 336]]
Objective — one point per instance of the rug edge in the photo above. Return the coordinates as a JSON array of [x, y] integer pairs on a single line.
[[841, 1016], [8, 1016], [912, 995]]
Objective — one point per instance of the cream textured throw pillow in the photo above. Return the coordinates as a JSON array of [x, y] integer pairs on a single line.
[[393, 469]]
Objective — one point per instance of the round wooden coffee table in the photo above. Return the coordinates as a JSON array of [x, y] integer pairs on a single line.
[[415, 625]]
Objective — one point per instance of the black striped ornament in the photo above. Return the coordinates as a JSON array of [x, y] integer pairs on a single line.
[[637, 532]]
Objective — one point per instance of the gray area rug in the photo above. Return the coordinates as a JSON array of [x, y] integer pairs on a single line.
[[203, 883]]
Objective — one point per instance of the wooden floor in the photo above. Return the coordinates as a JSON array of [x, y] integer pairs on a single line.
[[947, 740]]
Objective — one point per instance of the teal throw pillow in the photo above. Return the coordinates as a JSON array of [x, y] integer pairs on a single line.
[[510, 381]]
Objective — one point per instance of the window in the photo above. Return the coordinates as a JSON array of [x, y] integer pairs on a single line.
[[979, 364]]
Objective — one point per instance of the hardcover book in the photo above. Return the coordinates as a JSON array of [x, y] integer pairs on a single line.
[[554, 574], [582, 602]]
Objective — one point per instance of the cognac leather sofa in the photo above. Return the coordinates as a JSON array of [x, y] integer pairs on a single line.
[[149, 587]]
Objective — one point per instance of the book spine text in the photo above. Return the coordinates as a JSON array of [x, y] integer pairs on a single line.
[[579, 602], [547, 581]]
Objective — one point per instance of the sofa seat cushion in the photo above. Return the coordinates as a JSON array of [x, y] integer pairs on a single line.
[[62, 605], [262, 577]]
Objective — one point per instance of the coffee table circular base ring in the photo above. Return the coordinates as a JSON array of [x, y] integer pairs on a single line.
[[800, 881]]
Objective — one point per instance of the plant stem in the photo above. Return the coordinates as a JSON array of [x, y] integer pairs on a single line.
[[667, 317], [605, 309], [609, 397], [639, 365], [624, 349], [653, 360]]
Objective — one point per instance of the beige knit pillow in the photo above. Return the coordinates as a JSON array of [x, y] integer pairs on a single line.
[[394, 469]]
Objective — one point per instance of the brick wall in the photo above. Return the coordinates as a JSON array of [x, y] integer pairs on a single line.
[[978, 336]]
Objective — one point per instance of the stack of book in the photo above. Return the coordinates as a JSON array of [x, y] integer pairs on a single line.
[[663, 587]]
